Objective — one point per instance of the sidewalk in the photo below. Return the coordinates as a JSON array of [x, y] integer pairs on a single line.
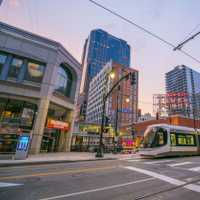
[[47, 158]]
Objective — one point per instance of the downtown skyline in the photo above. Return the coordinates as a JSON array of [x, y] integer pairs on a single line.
[[148, 55]]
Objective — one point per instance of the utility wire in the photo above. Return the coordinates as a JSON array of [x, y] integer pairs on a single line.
[[143, 29], [190, 33]]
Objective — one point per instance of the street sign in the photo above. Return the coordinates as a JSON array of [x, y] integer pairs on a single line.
[[22, 147]]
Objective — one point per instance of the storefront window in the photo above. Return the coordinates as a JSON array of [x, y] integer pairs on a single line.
[[2, 61], [17, 112], [15, 68], [35, 72]]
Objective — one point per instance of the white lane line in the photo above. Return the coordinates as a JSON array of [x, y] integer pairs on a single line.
[[98, 189], [173, 181], [179, 164], [134, 160], [195, 169], [2, 184], [129, 158], [158, 162], [193, 187]]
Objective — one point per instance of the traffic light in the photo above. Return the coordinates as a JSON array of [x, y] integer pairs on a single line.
[[133, 132], [107, 121], [133, 78]]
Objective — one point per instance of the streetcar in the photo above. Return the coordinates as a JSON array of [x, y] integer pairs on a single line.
[[163, 140]]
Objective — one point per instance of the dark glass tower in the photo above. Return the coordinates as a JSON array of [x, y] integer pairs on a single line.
[[101, 47]]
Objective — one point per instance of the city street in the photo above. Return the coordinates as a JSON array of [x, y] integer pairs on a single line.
[[125, 178]]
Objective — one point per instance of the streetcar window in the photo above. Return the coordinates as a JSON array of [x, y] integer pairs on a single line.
[[173, 139], [181, 140], [155, 137], [190, 139], [160, 138], [199, 138], [186, 140]]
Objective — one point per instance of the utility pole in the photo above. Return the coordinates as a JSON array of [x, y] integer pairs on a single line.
[[117, 112], [105, 97], [185, 41]]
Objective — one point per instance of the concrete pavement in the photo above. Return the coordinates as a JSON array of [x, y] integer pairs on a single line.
[[47, 158]]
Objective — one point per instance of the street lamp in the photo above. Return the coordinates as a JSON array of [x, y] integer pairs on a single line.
[[112, 74], [127, 100], [130, 75]]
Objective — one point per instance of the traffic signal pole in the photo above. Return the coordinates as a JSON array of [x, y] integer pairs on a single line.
[[130, 75]]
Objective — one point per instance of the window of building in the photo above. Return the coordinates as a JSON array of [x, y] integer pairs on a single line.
[[2, 61], [63, 81], [17, 112], [15, 67], [35, 72]]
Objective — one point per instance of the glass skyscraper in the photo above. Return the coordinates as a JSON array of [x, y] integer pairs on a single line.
[[100, 48], [183, 87]]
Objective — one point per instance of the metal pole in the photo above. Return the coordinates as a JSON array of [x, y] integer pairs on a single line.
[[116, 116], [117, 110], [194, 111], [100, 150]]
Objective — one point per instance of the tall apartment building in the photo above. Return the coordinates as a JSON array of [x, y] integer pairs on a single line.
[[183, 91], [122, 102], [101, 47]]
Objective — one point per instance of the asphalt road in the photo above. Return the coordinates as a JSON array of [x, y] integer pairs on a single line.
[[128, 179]]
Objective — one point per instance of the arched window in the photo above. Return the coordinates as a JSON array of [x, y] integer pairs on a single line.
[[63, 81]]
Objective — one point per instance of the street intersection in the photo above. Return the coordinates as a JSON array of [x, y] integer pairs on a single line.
[[122, 179]]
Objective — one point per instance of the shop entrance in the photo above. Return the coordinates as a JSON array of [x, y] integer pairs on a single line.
[[50, 141]]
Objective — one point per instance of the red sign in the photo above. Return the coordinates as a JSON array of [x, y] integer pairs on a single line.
[[64, 126]]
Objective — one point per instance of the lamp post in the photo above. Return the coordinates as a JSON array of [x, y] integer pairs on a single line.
[[105, 97]]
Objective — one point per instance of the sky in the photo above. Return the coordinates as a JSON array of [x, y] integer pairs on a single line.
[[70, 22]]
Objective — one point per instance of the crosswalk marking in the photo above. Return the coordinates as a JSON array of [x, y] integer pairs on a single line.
[[2, 184], [173, 181], [195, 169], [179, 164]]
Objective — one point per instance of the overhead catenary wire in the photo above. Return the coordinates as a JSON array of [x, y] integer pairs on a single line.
[[190, 33], [143, 29]]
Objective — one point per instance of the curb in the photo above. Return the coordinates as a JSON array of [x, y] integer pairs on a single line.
[[51, 162]]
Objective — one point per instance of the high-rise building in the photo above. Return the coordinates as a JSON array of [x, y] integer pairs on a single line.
[[183, 91], [101, 47], [122, 104]]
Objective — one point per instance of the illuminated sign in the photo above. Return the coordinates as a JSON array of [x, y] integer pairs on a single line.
[[125, 110], [23, 143], [58, 125], [177, 94]]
